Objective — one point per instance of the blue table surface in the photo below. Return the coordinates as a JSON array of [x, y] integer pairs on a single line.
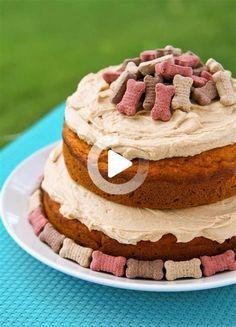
[[32, 294]]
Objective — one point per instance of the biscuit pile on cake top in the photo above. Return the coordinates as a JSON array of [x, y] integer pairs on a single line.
[[164, 80]]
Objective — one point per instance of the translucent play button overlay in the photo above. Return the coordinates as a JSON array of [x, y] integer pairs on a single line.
[[116, 164]]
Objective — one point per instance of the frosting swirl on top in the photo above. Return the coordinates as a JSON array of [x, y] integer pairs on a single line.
[[91, 115]]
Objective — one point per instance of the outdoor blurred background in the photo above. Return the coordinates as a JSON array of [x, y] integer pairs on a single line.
[[47, 46]]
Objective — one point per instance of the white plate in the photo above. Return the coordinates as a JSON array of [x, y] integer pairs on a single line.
[[14, 197]]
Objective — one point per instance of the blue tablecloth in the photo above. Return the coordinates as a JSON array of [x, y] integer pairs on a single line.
[[32, 294]]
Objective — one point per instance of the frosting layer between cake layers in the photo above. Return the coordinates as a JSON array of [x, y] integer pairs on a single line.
[[129, 225], [90, 114]]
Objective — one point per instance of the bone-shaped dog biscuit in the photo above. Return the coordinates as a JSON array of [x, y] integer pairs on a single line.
[[144, 269], [148, 67], [181, 99], [221, 262], [224, 87], [37, 220], [205, 74], [52, 237], [132, 68], [198, 81], [187, 59], [150, 93], [168, 70], [161, 108], [183, 269], [148, 55], [204, 95], [169, 49], [110, 75], [135, 60], [130, 100], [75, 252], [119, 86], [108, 263], [213, 66]]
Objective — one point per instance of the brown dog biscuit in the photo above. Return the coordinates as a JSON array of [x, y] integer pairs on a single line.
[[52, 237], [145, 269], [135, 60], [204, 95], [150, 93]]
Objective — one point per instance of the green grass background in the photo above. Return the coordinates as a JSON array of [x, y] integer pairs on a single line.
[[47, 46]]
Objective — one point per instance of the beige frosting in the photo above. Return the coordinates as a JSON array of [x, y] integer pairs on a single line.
[[90, 114], [34, 201], [128, 224]]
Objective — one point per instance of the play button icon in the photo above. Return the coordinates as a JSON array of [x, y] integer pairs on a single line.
[[117, 163]]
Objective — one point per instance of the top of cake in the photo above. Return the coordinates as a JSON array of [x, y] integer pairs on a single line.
[[162, 104]]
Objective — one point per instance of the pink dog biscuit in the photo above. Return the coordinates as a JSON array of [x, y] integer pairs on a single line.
[[148, 67], [161, 108], [119, 86], [110, 75], [52, 237], [130, 100], [183, 269], [145, 269], [187, 59], [225, 88], [37, 220], [148, 55], [213, 66], [217, 263], [108, 263], [75, 252], [205, 74], [168, 70], [204, 95], [181, 99], [150, 93], [198, 81]]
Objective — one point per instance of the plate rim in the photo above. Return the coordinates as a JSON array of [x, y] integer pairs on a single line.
[[112, 281]]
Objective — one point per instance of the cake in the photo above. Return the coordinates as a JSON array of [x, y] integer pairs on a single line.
[[164, 110]]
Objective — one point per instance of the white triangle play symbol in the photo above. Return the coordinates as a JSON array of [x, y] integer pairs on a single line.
[[117, 163]]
